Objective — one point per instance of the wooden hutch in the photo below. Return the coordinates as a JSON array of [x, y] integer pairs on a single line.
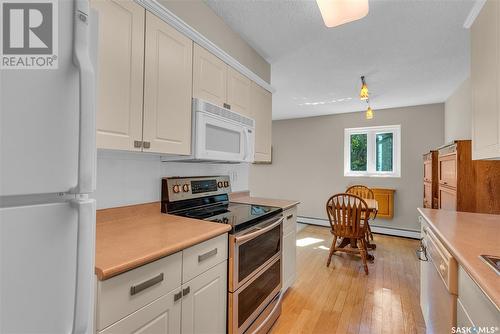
[[431, 180], [462, 184]]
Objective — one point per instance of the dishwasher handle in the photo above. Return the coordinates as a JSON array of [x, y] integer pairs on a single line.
[[422, 250]]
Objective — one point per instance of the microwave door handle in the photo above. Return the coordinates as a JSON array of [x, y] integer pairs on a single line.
[[247, 144]]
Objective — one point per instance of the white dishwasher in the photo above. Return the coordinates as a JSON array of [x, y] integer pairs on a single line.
[[438, 283]]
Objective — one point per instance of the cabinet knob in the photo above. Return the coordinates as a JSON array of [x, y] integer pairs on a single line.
[[186, 291], [137, 143], [177, 296], [146, 144]]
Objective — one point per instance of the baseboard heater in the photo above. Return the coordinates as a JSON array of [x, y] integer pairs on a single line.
[[375, 229]]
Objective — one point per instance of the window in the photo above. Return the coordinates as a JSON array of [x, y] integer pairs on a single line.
[[373, 151]]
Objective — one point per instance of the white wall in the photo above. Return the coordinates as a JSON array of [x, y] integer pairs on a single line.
[[125, 178], [308, 161], [458, 113]]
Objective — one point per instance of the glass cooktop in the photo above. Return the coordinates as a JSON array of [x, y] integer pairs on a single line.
[[239, 216]]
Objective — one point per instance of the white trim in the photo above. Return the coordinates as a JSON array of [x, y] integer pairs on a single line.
[[371, 133], [376, 229], [474, 12], [166, 15]]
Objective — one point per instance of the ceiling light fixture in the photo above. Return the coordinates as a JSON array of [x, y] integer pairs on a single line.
[[364, 94], [369, 113], [337, 12]]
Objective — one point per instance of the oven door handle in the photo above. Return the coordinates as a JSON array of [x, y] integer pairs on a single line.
[[246, 237]]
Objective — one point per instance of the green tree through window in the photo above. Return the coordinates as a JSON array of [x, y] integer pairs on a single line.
[[358, 152]]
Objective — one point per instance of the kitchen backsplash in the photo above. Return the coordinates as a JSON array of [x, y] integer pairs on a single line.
[[125, 178]]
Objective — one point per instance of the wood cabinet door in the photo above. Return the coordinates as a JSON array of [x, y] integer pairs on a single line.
[[238, 92], [262, 113], [204, 301], [119, 74], [447, 198], [428, 195], [485, 71], [447, 170], [428, 170], [162, 316], [209, 77], [167, 89]]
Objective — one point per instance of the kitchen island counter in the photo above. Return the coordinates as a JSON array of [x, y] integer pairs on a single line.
[[467, 236]]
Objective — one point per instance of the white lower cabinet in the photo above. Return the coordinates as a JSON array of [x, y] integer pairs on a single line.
[[204, 302], [161, 316], [154, 298], [289, 248], [474, 308]]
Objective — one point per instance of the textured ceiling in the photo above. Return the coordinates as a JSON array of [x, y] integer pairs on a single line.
[[411, 52]]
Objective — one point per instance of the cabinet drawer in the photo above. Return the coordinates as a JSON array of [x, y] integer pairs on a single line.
[[477, 305], [447, 170], [447, 198], [204, 256], [121, 295], [290, 223], [161, 316]]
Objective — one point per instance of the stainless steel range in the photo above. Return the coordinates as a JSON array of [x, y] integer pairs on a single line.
[[255, 246]]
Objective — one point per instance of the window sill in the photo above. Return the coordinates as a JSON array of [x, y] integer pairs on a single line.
[[371, 175]]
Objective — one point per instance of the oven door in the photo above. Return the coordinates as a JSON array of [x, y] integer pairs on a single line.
[[252, 298], [253, 249], [220, 139]]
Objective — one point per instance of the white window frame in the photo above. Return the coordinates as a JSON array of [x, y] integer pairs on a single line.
[[371, 150]]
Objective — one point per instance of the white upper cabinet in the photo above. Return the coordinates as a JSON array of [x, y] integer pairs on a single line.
[[238, 92], [261, 104], [485, 72], [167, 89], [119, 74], [209, 77]]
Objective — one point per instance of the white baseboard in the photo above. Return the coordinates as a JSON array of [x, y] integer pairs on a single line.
[[375, 229]]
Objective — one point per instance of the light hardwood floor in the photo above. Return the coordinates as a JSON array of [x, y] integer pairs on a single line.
[[342, 299]]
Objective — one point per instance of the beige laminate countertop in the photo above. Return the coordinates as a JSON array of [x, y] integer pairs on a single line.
[[131, 236], [244, 197], [468, 235]]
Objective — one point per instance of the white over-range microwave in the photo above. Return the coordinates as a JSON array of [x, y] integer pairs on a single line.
[[219, 135]]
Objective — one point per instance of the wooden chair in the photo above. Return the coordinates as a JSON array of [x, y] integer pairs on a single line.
[[345, 212], [363, 192]]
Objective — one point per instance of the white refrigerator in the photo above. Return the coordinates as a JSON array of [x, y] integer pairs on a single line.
[[47, 171]]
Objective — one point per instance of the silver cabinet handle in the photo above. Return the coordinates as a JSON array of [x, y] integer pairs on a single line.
[[177, 296], [134, 289], [205, 256], [186, 291]]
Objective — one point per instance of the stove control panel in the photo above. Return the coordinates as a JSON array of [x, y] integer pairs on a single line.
[[183, 188]]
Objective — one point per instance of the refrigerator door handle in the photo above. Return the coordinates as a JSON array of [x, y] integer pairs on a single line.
[[85, 266], [81, 58]]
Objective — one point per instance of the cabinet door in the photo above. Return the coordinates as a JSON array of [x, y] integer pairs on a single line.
[[485, 71], [289, 259], [262, 113], [238, 92], [428, 170], [162, 316], [204, 302], [447, 198], [209, 77], [447, 170], [428, 195], [167, 89], [119, 74]]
